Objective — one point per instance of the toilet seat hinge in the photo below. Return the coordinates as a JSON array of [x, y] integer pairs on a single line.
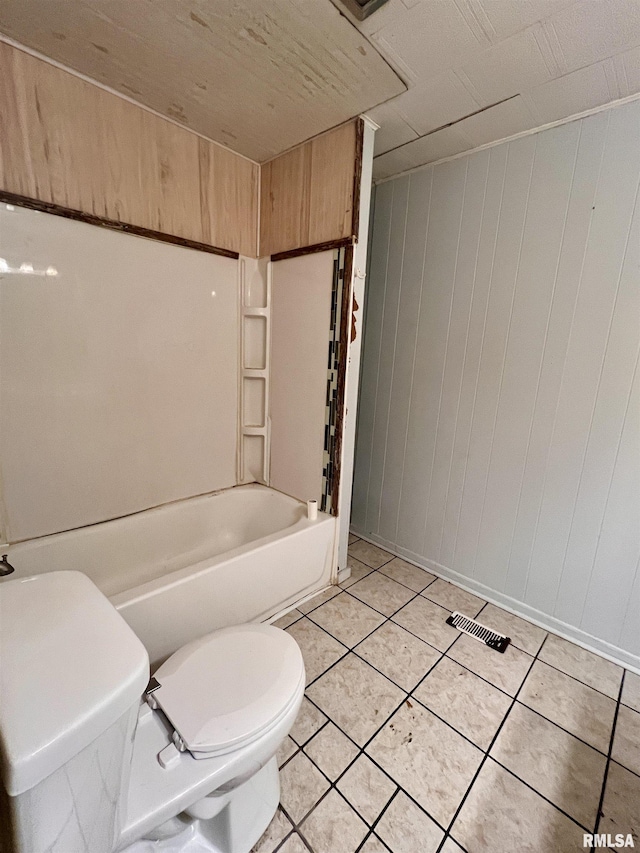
[[149, 690], [180, 744]]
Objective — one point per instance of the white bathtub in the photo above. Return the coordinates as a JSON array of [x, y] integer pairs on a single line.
[[181, 570]]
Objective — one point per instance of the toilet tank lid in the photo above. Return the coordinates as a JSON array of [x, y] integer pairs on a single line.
[[70, 667]]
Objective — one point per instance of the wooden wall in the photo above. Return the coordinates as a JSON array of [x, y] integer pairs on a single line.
[[307, 194], [68, 142]]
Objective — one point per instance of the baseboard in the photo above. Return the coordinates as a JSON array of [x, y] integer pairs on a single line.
[[518, 608], [344, 574]]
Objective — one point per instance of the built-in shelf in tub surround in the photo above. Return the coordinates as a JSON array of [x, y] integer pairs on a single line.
[[255, 368]]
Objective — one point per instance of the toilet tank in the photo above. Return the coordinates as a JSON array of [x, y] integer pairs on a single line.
[[71, 676]]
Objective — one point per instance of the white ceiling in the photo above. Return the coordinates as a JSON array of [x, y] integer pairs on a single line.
[[258, 77], [550, 58], [263, 76]]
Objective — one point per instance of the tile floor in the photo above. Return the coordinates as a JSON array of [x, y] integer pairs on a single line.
[[413, 738]]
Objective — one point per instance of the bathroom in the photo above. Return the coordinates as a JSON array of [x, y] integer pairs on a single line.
[[318, 329]]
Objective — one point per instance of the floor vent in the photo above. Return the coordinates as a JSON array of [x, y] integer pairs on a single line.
[[474, 629]]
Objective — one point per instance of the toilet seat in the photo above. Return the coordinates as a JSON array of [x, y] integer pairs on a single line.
[[228, 688]]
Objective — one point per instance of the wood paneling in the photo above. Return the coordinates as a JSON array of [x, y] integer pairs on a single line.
[[307, 195], [285, 201], [333, 166], [68, 142], [230, 186], [499, 425], [257, 77]]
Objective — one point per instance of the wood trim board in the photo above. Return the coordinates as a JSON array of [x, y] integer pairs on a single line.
[[311, 250], [128, 228], [308, 195]]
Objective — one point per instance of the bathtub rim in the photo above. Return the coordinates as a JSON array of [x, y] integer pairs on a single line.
[[174, 578]]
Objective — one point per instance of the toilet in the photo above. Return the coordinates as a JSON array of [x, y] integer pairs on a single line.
[[97, 757]]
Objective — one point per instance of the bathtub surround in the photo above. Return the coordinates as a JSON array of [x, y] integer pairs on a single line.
[[118, 374], [68, 161], [498, 432], [301, 315], [145, 387], [255, 371], [307, 290]]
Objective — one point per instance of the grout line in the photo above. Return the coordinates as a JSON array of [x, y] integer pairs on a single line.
[[523, 781], [442, 719], [333, 783], [406, 586], [575, 678], [410, 694], [558, 726], [306, 814], [366, 744], [447, 836], [486, 755], [362, 601], [535, 791], [388, 805], [375, 838], [337, 588], [406, 793], [386, 615], [390, 619], [510, 605], [281, 843], [316, 732], [524, 651], [542, 796], [375, 568], [291, 821], [608, 764]]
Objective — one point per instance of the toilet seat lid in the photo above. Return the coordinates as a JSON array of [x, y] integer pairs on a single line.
[[227, 688]]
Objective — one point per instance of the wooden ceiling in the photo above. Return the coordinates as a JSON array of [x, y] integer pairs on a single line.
[[256, 77], [261, 76]]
